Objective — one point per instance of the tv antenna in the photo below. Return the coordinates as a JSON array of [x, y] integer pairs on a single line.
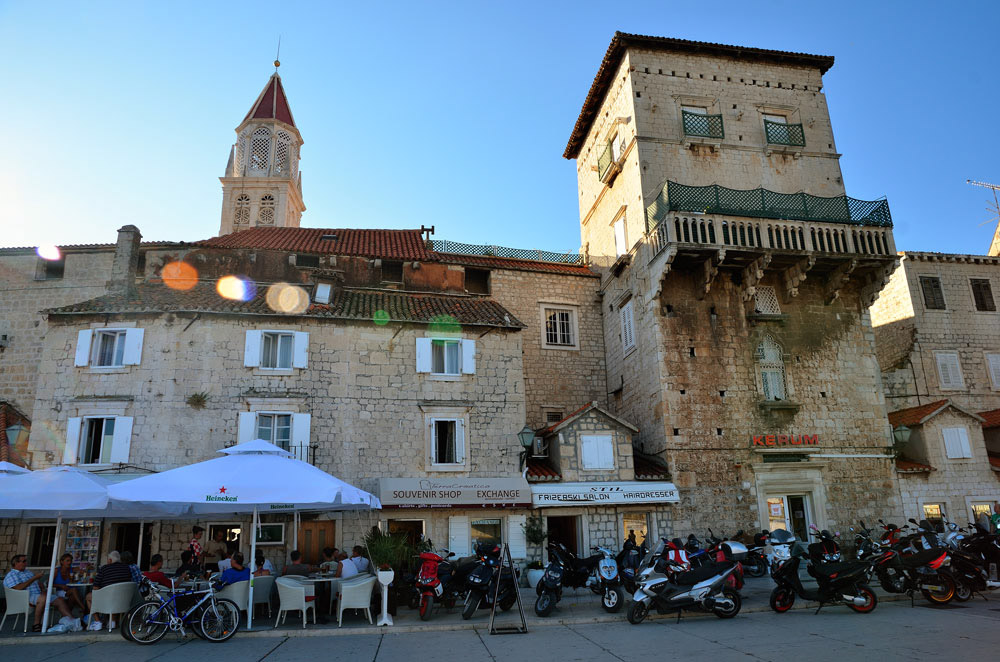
[[995, 209]]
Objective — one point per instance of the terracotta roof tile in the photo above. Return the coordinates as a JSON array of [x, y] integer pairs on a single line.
[[992, 418], [994, 461], [492, 262], [540, 470], [910, 467], [386, 244], [572, 414], [347, 304], [914, 415]]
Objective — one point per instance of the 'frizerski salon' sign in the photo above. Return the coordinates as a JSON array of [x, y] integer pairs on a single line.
[[785, 440], [576, 494], [454, 492]]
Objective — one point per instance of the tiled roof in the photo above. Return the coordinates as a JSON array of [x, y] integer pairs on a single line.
[[580, 412], [71, 248], [572, 414], [909, 467], [622, 41], [648, 467], [386, 244], [994, 461], [992, 418], [539, 470], [348, 304], [272, 103], [491, 262], [915, 415]]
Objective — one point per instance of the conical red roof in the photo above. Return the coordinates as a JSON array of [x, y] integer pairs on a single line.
[[272, 103]]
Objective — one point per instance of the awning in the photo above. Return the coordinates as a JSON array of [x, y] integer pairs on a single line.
[[611, 493], [454, 493]]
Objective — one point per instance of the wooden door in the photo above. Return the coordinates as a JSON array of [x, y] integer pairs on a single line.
[[313, 537]]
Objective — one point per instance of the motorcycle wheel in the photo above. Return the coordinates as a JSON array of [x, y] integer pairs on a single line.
[[782, 599], [613, 599], [755, 566], [414, 601], [891, 580], [963, 591], [471, 604], [426, 604], [947, 592], [545, 603], [507, 602], [637, 612], [871, 600], [729, 612]]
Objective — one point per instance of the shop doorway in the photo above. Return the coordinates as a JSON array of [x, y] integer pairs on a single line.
[[565, 530], [125, 538], [791, 513], [413, 529], [313, 537]]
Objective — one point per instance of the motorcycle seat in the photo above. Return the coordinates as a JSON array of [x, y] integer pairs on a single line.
[[922, 558], [827, 569], [692, 577], [587, 563]]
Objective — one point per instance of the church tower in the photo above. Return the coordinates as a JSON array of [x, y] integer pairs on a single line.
[[262, 186]]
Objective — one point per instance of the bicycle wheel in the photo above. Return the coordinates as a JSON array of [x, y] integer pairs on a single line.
[[147, 623], [221, 620]]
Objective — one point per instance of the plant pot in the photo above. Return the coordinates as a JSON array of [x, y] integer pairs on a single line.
[[385, 577], [534, 576]]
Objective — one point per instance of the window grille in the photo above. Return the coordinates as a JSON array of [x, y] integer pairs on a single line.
[[933, 295], [558, 327], [282, 153], [766, 301], [242, 215], [772, 369], [266, 214], [240, 159], [260, 150]]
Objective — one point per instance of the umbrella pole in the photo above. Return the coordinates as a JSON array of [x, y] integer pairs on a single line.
[[253, 560], [138, 557], [52, 576], [295, 530]]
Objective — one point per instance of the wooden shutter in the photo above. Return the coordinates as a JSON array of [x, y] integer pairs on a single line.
[[628, 327], [515, 536], [121, 443], [956, 442], [300, 349], [606, 451], [459, 441], [133, 347], [247, 427], [983, 295], [251, 350], [588, 452], [469, 357], [458, 535], [423, 354], [71, 453], [993, 367], [301, 424], [83, 339], [933, 296], [949, 370]]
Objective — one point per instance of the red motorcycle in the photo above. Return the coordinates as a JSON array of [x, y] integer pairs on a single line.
[[441, 580]]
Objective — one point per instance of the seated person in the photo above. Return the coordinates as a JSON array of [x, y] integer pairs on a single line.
[[262, 565], [296, 567], [358, 559], [224, 563], [329, 559], [128, 560], [64, 576], [345, 567], [114, 572], [155, 573], [236, 572], [189, 569], [21, 579]]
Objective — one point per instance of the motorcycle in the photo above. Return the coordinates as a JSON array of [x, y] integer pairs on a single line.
[[826, 549], [836, 583], [441, 580], [599, 573], [484, 578], [665, 585], [908, 567], [971, 555], [628, 561], [756, 564], [781, 542]]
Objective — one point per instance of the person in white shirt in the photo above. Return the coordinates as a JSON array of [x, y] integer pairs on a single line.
[[226, 562], [262, 565], [345, 567], [358, 559]]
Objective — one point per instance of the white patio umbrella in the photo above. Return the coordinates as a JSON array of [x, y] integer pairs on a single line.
[[9, 468], [252, 476]]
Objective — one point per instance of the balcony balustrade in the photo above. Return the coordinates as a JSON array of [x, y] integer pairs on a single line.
[[779, 133], [704, 126]]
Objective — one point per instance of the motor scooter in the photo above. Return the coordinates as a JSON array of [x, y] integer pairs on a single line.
[[836, 583], [599, 573], [483, 579]]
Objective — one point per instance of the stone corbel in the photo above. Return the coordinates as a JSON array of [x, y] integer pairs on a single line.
[[710, 269], [794, 275], [836, 280], [876, 282], [668, 257], [752, 275]]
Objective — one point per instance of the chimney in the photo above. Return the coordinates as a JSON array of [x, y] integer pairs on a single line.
[[126, 261]]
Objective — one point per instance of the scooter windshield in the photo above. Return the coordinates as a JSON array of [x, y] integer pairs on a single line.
[[781, 537]]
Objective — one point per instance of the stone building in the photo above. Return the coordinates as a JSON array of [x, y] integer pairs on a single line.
[[736, 280]]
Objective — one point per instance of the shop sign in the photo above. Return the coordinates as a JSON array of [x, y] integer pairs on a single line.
[[785, 440], [454, 492], [617, 493]]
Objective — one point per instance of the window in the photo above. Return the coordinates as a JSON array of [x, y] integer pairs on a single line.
[[621, 246], [41, 540], [265, 215], [770, 362], [628, 327], [447, 441], [597, 451], [993, 367], [276, 428], [98, 439], [231, 532], [933, 295], [635, 526], [282, 153], [980, 510], [50, 269], [322, 293], [766, 301], [108, 348], [392, 272], [275, 349], [956, 443], [618, 145], [477, 281], [446, 356], [242, 215], [486, 531], [982, 293], [559, 327], [302, 260], [934, 514], [553, 416], [260, 150], [949, 370]]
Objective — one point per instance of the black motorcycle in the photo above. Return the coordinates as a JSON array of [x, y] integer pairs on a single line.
[[837, 583], [483, 581], [917, 562], [755, 563], [599, 573]]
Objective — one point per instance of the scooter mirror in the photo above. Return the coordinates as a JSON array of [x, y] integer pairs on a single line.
[[912, 521], [813, 527]]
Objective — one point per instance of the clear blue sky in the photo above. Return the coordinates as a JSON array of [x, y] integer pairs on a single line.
[[452, 115]]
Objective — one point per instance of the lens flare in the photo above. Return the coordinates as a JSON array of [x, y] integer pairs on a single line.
[[445, 324], [287, 298], [236, 288], [381, 318], [49, 252], [179, 275]]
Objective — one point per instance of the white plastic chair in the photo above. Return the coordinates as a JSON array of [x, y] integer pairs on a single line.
[[292, 597], [114, 599], [238, 592], [356, 594], [262, 587], [17, 605]]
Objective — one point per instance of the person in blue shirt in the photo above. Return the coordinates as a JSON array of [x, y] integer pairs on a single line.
[[237, 572]]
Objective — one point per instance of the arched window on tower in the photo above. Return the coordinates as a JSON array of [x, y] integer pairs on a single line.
[[240, 158], [282, 154], [241, 217], [771, 366], [260, 151], [266, 214]]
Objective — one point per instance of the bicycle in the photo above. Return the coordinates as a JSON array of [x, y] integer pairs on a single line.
[[213, 619]]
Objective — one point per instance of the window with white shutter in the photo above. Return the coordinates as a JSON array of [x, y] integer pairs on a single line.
[[628, 327], [98, 440], [949, 371], [458, 535], [275, 349], [993, 367], [108, 348], [956, 443], [621, 247], [515, 536], [597, 451], [446, 356]]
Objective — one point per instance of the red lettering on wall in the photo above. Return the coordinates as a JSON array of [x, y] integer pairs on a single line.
[[770, 440], [785, 440], [758, 440], [810, 440]]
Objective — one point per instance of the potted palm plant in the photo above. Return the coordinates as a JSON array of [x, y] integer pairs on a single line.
[[388, 553]]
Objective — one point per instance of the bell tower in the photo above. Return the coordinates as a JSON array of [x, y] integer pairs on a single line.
[[262, 186]]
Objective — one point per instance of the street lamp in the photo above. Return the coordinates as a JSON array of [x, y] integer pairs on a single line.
[[527, 437], [900, 437]]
